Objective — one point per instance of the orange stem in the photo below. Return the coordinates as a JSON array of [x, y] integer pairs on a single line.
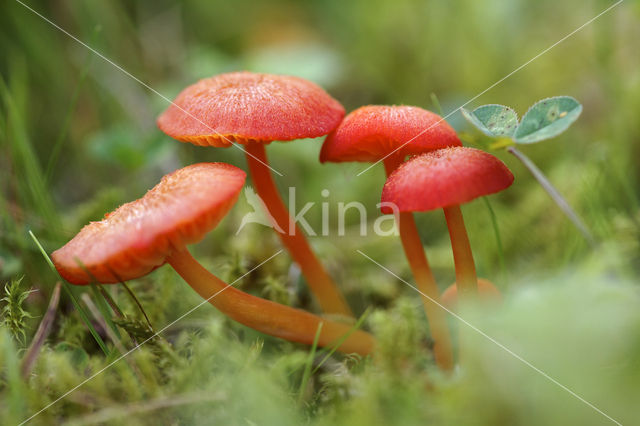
[[266, 316], [426, 283], [413, 249], [321, 284], [466, 278]]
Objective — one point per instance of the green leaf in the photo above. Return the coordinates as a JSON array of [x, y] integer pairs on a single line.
[[547, 118], [493, 120]]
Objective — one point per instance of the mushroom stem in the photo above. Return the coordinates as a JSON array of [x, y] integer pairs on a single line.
[[426, 283], [392, 162], [466, 279], [321, 284], [266, 316], [413, 249]]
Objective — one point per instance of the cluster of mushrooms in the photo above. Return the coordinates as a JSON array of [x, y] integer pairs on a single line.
[[253, 110]]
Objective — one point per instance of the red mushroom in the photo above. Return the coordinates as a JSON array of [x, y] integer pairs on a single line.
[[390, 133], [254, 110], [445, 179], [487, 292], [144, 234]]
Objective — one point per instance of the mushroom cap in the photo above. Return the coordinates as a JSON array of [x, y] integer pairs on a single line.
[[487, 293], [372, 132], [246, 106], [444, 178], [137, 237]]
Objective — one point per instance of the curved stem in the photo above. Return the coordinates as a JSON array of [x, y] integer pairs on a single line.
[[554, 194], [321, 284], [466, 278], [265, 316], [413, 249]]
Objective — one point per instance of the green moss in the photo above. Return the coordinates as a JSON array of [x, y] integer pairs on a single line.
[[13, 315]]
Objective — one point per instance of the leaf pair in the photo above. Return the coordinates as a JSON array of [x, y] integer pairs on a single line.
[[544, 120]]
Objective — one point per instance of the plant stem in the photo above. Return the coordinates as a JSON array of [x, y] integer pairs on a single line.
[[263, 315], [496, 232], [44, 328], [391, 163], [137, 302], [425, 281], [553, 193], [427, 285], [321, 284], [466, 279]]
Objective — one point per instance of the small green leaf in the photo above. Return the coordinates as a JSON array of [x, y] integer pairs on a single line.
[[493, 120], [547, 118]]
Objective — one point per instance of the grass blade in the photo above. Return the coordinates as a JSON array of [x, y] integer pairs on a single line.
[[341, 340], [74, 299], [307, 368], [114, 306], [104, 309], [496, 232], [102, 306], [137, 302], [436, 103], [102, 321]]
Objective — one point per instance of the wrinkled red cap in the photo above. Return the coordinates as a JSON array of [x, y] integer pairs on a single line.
[[372, 132], [245, 106], [137, 237], [443, 178]]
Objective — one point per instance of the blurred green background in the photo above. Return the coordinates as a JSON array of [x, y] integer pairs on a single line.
[[78, 138]]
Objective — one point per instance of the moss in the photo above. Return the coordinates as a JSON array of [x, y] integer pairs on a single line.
[[13, 315]]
